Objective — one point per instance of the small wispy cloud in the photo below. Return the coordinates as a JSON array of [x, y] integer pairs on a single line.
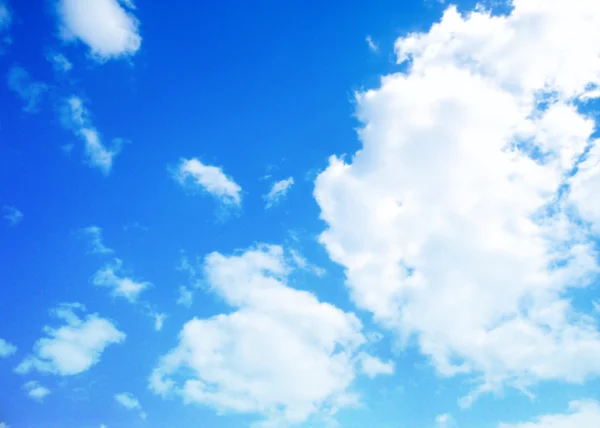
[[35, 390], [159, 320], [6, 349], [373, 47], [301, 262], [444, 421], [5, 17], [196, 175], [28, 90], [59, 62], [130, 402], [12, 215], [76, 118], [186, 297], [94, 234], [121, 286], [278, 191]]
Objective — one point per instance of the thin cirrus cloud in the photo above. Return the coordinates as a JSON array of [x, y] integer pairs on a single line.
[[278, 191], [76, 117], [121, 286], [35, 390], [108, 27], [94, 235], [373, 47], [451, 230], [12, 215], [28, 90], [75, 346], [59, 62], [194, 174], [284, 355], [5, 17]]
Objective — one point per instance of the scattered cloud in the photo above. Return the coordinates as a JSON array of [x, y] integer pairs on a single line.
[[444, 421], [3, 425], [452, 222], [35, 390], [278, 191], [121, 286], [373, 366], [74, 347], [282, 353], [301, 262], [5, 17], [12, 215], [76, 118], [94, 234], [59, 62], [186, 297], [129, 401], [6, 349], [194, 174], [28, 90], [582, 414], [159, 320], [373, 47], [107, 27]]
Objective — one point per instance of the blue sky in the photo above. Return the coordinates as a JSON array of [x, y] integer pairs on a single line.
[[299, 214]]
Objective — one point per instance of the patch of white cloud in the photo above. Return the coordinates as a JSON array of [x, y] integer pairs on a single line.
[[12, 215], [581, 414], [301, 262], [28, 90], [108, 27], [278, 191], [77, 119], [121, 286], [94, 234], [35, 390], [373, 366], [59, 62], [444, 420], [281, 354], [75, 346], [454, 222], [130, 402], [193, 174], [6, 348], [186, 297], [373, 47], [159, 321], [3, 425]]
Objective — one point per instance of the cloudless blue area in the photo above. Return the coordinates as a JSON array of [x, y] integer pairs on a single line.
[[258, 88]]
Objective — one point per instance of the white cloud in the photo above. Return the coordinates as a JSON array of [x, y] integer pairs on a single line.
[[585, 187], [159, 320], [444, 421], [94, 233], [451, 221], [107, 27], [5, 17], [77, 119], [278, 191], [28, 90], [74, 347], [301, 262], [129, 401], [35, 390], [6, 349], [282, 354], [373, 366], [12, 215], [121, 286], [186, 298], [59, 62], [3, 425], [194, 174], [582, 414], [373, 47]]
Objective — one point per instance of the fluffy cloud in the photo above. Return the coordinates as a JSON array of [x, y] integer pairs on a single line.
[[278, 191], [27, 89], [196, 175], [282, 353], [129, 401], [94, 234], [454, 222], [582, 414], [373, 366], [36, 391], [107, 27], [59, 62], [121, 286], [6, 349], [12, 215], [77, 119], [74, 347]]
